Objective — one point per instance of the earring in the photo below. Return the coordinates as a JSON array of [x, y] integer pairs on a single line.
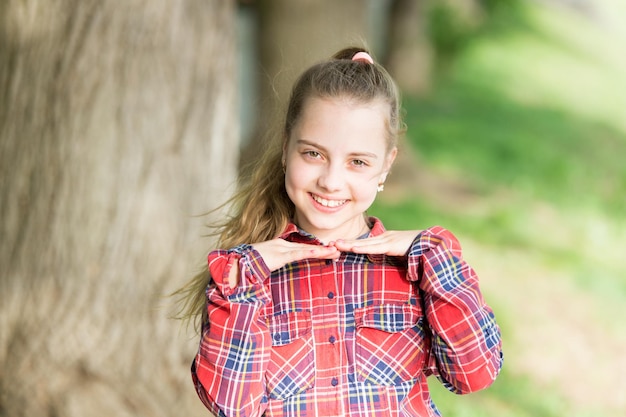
[[381, 187]]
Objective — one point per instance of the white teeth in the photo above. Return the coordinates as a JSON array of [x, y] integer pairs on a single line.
[[329, 203]]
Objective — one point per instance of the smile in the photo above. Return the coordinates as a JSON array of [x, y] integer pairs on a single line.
[[328, 203]]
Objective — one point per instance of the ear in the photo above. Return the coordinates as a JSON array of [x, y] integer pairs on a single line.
[[391, 156]]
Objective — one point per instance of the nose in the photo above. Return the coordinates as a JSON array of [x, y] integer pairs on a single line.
[[331, 178]]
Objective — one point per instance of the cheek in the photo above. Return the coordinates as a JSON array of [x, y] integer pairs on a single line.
[[289, 183], [296, 180], [365, 189], [295, 174], [299, 173]]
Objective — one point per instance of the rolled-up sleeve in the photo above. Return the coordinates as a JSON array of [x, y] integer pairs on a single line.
[[228, 370], [465, 346]]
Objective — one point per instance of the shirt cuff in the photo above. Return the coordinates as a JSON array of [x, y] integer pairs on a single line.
[[253, 273]]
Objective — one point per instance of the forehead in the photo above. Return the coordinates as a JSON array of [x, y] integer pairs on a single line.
[[342, 122]]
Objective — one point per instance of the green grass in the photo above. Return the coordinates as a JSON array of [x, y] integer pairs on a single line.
[[542, 152], [531, 118]]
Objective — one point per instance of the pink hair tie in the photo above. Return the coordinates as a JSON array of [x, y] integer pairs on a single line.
[[363, 56]]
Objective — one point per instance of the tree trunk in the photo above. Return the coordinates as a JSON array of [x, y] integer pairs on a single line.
[[292, 35], [410, 55], [117, 126]]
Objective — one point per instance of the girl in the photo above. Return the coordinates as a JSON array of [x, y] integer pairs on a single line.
[[314, 309]]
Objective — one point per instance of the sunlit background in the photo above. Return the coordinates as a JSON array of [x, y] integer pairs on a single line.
[[516, 141]]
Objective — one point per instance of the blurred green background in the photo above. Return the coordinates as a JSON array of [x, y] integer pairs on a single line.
[[520, 150]]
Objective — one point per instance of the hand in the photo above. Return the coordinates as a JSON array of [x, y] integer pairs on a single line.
[[278, 252], [392, 243]]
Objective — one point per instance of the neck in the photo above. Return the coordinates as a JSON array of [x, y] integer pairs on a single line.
[[350, 232]]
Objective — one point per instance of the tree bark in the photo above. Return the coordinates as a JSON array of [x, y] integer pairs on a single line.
[[117, 126], [410, 54], [292, 35]]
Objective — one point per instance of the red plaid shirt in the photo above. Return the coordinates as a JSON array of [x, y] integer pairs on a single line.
[[353, 337]]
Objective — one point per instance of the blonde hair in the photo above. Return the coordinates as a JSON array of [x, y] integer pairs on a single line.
[[261, 208]]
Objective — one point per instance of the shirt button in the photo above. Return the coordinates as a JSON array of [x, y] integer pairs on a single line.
[[277, 337], [331, 295], [329, 261], [334, 382], [332, 339]]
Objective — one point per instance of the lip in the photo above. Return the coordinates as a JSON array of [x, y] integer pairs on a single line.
[[327, 204]]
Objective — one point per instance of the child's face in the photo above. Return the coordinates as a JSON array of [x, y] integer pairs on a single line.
[[336, 157]]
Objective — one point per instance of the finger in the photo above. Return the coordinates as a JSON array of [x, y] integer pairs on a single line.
[[369, 246], [313, 252]]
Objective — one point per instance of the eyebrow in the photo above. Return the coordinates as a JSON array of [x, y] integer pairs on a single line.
[[323, 149]]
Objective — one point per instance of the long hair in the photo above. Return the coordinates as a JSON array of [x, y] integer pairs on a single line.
[[261, 209]]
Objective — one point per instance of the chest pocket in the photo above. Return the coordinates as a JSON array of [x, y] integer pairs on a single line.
[[291, 370], [390, 347]]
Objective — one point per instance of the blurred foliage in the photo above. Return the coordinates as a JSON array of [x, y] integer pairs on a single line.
[[447, 31], [452, 28], [549, 154], [509, 396], [472, 126]]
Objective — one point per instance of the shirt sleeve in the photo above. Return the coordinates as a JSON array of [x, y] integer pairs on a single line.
[[234, 351], [466, 345]]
